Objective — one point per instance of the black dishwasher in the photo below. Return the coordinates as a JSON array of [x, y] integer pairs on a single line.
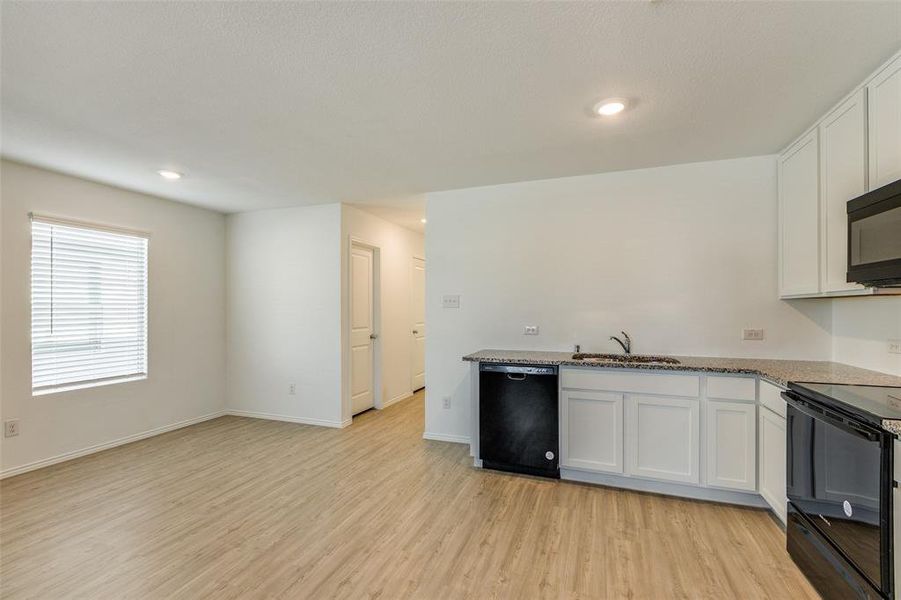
[[518, 422]]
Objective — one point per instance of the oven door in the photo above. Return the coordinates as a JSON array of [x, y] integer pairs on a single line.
[[839, 476]]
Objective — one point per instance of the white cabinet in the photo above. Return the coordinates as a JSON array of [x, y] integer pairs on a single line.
[[646, 382], [799, 209], [771, 398], [843, 176], [771, 445], [663, 438], [731, 429], [884, 99], [732, 388], [592, 428], [855, 147]]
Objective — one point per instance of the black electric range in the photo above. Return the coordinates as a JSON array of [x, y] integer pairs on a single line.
[[839, 483]]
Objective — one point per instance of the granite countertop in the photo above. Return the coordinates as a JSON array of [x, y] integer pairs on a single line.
[[778, 371]]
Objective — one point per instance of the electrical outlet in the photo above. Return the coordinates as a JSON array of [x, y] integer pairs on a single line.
[[530, 330], [292, 389], [451, 301], [11, 428], [446, 402], [752, 334], [894, 346]]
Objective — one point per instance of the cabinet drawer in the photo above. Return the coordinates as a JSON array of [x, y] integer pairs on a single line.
[[770, 397], [652, 382], [732, 388]]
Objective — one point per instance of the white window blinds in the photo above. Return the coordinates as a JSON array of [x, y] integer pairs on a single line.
[[88, 306]]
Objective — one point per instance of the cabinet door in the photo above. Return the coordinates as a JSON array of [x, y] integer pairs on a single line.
[[772, 460], [731, 444], [884, 116], [799, 206], [843, 176], [663, 438], [592, 431]]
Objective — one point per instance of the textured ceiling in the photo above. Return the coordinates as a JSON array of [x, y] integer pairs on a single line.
[[278, 104]]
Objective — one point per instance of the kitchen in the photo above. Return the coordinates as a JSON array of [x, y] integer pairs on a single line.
[[450, 299], [725, 274]]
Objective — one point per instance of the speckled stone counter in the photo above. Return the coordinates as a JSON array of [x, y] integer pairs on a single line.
[[777, 371]]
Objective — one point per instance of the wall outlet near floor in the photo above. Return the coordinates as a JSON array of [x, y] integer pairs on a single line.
[[530, 330], [445, 402], [292, 389], [894, 346], [451, 301], [752, 334], [11, 428]]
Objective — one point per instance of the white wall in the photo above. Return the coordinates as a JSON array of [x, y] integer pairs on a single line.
[[681, 257], [186, 272], [394, 347], [284, 322], [861, 328]]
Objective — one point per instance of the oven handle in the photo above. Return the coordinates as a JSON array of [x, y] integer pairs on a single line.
[[805, 407]]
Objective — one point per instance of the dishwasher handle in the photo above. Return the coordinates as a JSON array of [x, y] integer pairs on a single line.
[[518, 369]]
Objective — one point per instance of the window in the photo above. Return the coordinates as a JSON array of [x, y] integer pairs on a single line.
[[88, 305]]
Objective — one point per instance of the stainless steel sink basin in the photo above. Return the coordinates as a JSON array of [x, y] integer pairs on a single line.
[[625, 358]]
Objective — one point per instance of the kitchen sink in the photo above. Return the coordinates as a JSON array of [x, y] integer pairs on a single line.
[[625, 358]]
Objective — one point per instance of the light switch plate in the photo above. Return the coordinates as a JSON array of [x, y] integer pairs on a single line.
[[752, 334], [451, 301], [530, 330], [894, 346]]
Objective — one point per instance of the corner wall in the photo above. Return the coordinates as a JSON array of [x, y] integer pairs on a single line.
[[284, 320], [681, 257], [186, 321]]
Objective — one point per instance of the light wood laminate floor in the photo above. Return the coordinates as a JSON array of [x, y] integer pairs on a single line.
[[245, 508]]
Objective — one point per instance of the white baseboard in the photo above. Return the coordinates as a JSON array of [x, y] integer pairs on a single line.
[[287, 418], [396, 399], [46, 462], [446, 437]]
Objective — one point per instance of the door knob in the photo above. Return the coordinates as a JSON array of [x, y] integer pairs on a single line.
[[415, 332], [373, 336]]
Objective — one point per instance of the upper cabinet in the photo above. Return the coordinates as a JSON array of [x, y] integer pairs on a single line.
[[855, 147], [843, 176], [799, 209], [884, 92]]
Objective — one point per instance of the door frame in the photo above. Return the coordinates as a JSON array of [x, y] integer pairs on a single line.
[[414, 258], [347, 367]]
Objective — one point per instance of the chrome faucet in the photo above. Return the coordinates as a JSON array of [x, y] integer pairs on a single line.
[[627, 345]]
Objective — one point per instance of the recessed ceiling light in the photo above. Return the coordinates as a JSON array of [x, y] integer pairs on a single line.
[[422, 220], [610, 106], [165, 174]]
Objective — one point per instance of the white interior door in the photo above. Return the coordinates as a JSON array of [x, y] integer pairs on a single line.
[[417, 308], [361, 329]]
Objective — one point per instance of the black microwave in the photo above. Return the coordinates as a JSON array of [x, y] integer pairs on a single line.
[[874, 237]]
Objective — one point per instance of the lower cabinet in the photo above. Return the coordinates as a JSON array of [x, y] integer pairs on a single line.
[[731, 429], [772, 460], [592, 431], [663, 438], [725, 433]]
